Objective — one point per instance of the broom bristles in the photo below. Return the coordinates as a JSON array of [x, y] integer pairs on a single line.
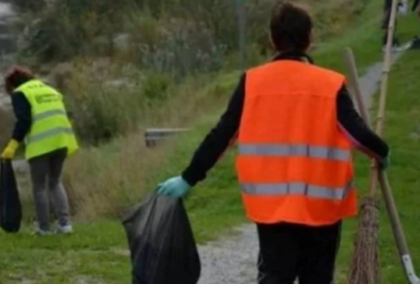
[[365, 263]]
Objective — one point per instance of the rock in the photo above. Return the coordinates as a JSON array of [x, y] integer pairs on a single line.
[[117, 83], [8, 41], [6, 10], [122, 42]]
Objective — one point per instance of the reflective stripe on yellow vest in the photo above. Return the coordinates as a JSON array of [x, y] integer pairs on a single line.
[[51, 129]]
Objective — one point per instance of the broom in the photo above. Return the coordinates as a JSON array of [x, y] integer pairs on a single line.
[[387, 191], [365, 262]]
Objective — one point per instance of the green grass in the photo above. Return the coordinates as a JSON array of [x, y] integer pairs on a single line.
[[403, 134], [97, 252], [403, 127]]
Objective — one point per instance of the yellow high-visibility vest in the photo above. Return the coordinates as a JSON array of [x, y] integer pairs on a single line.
[[51, 128]]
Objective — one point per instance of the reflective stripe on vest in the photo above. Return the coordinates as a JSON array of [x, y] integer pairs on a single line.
[[290, 150], [49, 114], [298, 188], [48, 134]]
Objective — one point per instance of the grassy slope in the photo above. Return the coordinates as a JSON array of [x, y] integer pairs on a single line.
[[96, 254]]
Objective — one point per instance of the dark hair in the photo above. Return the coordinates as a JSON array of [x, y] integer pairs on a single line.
[[291, 27], [16, 76]]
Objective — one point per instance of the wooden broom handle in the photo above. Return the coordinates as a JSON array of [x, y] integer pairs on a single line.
[[357, 93], [354, 84], [380, 122]]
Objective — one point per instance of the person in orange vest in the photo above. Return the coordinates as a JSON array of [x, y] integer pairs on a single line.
[[295, 125]]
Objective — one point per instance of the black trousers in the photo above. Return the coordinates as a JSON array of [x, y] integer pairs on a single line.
[[289, 252]]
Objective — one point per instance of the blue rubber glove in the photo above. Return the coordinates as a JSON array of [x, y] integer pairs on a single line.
[[174, 187]]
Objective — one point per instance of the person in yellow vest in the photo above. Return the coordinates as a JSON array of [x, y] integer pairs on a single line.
[[296, 125], [44, 127]]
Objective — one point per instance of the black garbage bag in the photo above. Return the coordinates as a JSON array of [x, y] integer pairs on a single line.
[[10, 206], [162, 245]]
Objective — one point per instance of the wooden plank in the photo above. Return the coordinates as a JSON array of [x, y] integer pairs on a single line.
[[153, 136]]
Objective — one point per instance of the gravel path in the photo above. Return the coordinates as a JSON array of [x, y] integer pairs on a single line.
[[232, 260], [370, 82]]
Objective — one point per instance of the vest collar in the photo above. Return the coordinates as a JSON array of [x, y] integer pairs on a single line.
[[294, 55], [27, 83]]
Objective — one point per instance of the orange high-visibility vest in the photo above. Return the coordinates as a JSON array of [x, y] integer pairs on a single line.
[[294, 163]]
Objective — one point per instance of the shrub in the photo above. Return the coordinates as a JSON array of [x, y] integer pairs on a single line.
[[106, 101], [156, 81], [105, 180], [70, 27], [183, 48], [100, 181], [182, 36], [34, 5], [155, 88]]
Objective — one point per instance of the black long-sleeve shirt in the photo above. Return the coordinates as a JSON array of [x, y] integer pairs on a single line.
[[22, 110], [220, 137]]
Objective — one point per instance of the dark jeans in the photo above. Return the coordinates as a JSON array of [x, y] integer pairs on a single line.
[[289, 252], [46, 173]]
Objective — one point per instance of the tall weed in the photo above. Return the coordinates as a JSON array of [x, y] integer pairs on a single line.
[[106, 101], [163, 78], [104, 180]]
